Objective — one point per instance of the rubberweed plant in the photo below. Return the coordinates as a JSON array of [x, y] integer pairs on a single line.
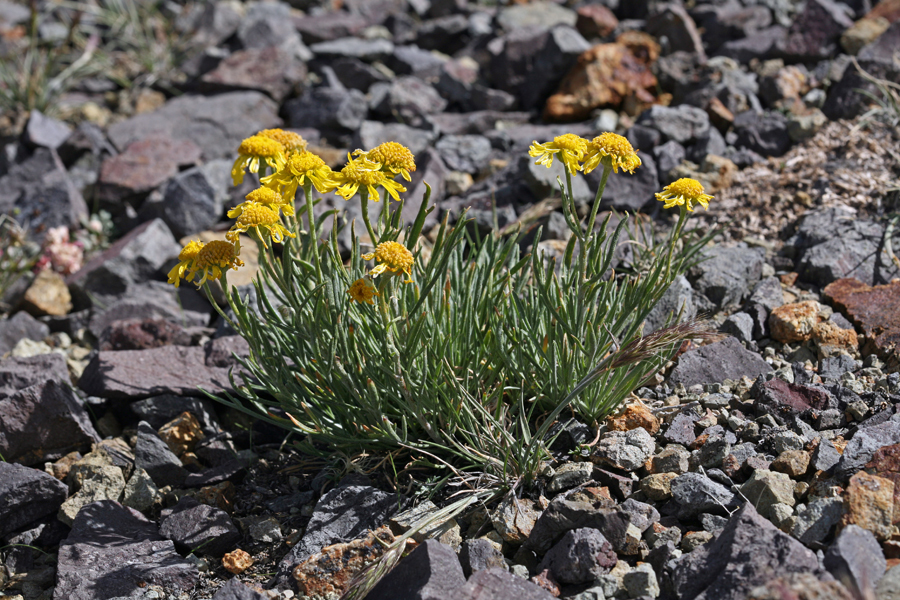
[[17, 254], [460, 354]]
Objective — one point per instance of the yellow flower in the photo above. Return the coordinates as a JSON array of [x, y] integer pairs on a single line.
[[259, 218], [187, 260], [362, 172], [393, 157], [292, 142], [299, 167], [614, 150], [684, 192], [214, 257], [570, 147], [362, 290], [251, 151], [393, 257], [266, 197]]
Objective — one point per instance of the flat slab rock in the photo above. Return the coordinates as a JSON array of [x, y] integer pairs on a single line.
[[114, 552], [179, 370], [717, 362], [875, 309], [26, 495]]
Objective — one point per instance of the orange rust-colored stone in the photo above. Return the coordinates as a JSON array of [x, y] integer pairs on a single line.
[[875, 310], [794, 322], [545, 580], [832, 339], [237, 561], [329, 571], [182, 433], [634, 416], [886, 463], [220, 495], [614, 75], [869, 503], [889, 9]]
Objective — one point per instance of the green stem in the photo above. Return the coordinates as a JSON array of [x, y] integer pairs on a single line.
[[313, 232], [364, 204], [676, 233], [593, 219]]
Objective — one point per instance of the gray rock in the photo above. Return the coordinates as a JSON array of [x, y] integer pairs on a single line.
[[569, 475], [641, 582], [815, 32], [430, 572], [641, 514], [235, 590], [710, 143], [696, 493], [190, 203], [270, 24], [668, 156], [833, 243], [275, 71], [354, 47], [409, 100], [563, 515], [19, 373], [201, 528], [27, 495], [45, 131], [330, 25], [413, 60], [716, 363], [137, 256], [817, 520], [341, 515], [727, 274], [153, 455], [150, 301], [833, 367], [40, 190], [749, 552], [468, 153], [767, 489], [535, 14], [113, 551], [679, 297], [739, 325], [889, 586], [824, 457], [581, 556], [626, 450], [43, 422], [354, 73], [373, 133], [529, 62], [216, 124], [140, 492], [327, 108], [478, 555], [762, 45], [153, 372], [20, 326], [764, 133], [856, 560], [682, 123], [498, 584], [767, 293], [626, 191], [544, 181], [864, 443]]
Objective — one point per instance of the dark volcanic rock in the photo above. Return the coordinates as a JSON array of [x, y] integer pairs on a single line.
[[815, 32], [272, 70], [20, 326], [159, 410], [855, 559], [764, 133], [695, 493], [749, 552], [479, 554], [113, 552], [45, 131], [216, 124], [327, 108], [26, 495], [864, 443], [153, 455], [717, 362], [201, 528], [19, 373], [564, 515], [581, 556], [727, 275], [430, 572], [179, 370], [235, 590], [783, 400], [499, 584], [341, 515], [43, 422]]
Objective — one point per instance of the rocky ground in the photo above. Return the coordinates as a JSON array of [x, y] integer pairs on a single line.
[[760, 466]]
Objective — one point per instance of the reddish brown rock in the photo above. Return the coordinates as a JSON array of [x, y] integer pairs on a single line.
[[595, 20], [875, 310], [792, 462], [328, 572], [635, 415], [869, 503], [143, 166], [545, 581], [886, 464], [607, 75], [141, 334], [272, 70], [889, 9]]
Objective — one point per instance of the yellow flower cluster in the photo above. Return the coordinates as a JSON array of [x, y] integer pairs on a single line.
[[211, 259], [607, 149]]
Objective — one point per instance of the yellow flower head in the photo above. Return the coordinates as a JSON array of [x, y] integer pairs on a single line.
[[300, 167], [214, 257], [393, 157], [393, 257], [362, 172], [265, 196], [570, 147], [684, 192], [361, 291], [251, 151], [614, 150], [260, 218], [292, 142], [187, 259]]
